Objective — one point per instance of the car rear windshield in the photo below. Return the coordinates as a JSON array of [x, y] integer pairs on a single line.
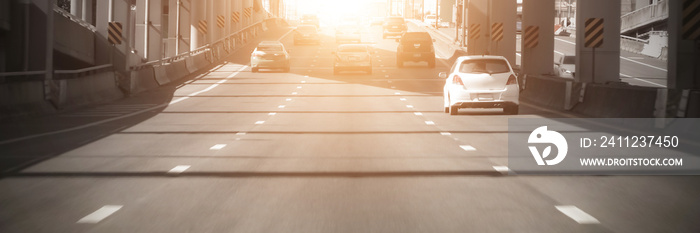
[[352, 49], [416, 37], [395, 20], [269, 48], [491, 66], [307, 29], [569, 60]]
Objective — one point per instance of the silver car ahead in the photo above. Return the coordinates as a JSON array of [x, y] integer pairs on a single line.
[[269, 55], [481, 82], [352, 57]]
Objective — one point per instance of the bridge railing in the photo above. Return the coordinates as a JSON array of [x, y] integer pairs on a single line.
[[643, 16]]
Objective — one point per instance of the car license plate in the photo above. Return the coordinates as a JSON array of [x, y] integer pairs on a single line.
[[485, 97], [416, 45], [416, 55]]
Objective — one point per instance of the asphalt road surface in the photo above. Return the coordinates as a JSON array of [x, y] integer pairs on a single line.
[[307, 151]]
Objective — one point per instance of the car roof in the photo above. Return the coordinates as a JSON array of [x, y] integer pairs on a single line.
[[352, 45], [478, 57], [269, 42]]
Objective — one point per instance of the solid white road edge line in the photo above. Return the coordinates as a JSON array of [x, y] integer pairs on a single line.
[[114, 118], [100, 214], [577, 214]]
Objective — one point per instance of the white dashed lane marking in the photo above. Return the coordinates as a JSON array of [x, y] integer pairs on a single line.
[[577, 214], [281, 106], [409, 106], [240, 133], [445, 133], [501, 169], [272, 114], [418, 113], [467, 148], [100, 214], [294, 93], [179, 169], [429, 123], [288, 99], [259, 122], [217, 147], [403, 99], [397, 93]]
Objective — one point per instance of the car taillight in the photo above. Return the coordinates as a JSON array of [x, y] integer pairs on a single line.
[[457, 80], [512, 80]]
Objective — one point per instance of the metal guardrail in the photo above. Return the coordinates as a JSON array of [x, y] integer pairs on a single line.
[[73, 18], [197, 51]]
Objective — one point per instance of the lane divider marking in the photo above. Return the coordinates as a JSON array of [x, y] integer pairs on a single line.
[[272, 114], [281, 106], [179, 169], [100, 214], [501, 169], [418, 113], [429, 123], [409, 106], [445, 133], [217, 147], [467, 148], [259, 122], [577, 214]]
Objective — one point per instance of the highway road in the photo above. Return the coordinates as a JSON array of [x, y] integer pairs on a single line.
[[635, 69], [307, 151]]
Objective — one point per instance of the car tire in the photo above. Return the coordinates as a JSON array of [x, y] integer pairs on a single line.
[[431, 63], [254, 69], [447, 109], [454, 110], [511, 110]]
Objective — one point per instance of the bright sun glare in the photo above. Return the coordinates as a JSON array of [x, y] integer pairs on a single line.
[[333, 11]]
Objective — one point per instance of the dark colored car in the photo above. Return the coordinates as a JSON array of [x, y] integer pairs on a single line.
[[415, 46], [306, 34], [393, 26]]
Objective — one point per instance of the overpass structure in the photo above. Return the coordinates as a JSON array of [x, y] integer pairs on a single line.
[[162, 37]]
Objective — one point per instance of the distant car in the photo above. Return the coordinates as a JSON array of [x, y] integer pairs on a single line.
[[310, 20], [352, 57], [430, 20], [415, 46], [481, 82], [393, 26], [565, 67], [306, 34], [348, 33], [377, 21], [269, 55]]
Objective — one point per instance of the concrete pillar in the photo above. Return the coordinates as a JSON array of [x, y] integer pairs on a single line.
[[504, 12], [683, 51], [478, 16], [172, 32], [539, 59], [198, 13], [140, 30], [155, 36], [607, 57], [76, 8], [209, 16], [184, 28]]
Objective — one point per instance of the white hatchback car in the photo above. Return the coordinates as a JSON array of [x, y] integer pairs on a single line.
[[481, 82]]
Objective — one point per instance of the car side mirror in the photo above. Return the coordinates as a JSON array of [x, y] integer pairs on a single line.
[[442, 75]]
